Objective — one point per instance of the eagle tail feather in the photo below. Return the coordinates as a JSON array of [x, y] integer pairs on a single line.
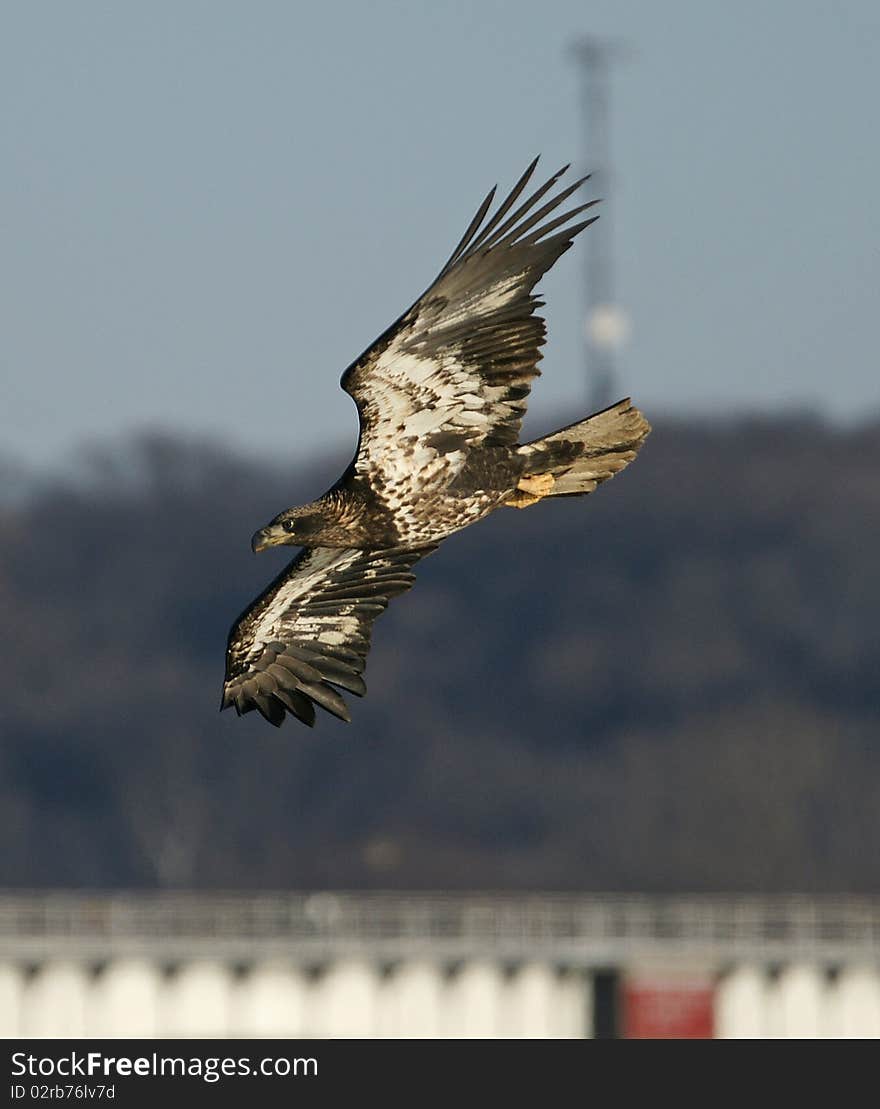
[[583, 455]]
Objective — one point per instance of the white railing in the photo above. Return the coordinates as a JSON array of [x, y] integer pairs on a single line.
[[578, 930]]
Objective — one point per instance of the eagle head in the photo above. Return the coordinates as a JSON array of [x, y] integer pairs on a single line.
[[297, 527]]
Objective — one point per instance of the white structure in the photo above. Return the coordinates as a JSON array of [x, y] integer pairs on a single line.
[[853, 1010], [344, 1000], [196, 1000], [11, 989], [741, 1004], [369, 965], [796, 1000], [124, 1000], [412, 1000], [531, 1002], [474, 1001], [572, 1014], [271, 1000], [55, 999]]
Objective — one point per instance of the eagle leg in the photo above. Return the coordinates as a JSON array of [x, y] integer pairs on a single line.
[[530, 490]]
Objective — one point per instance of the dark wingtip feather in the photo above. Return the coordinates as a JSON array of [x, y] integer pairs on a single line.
[[269, 708], [297, 704], [526, 215], [530, 169], [545, 228], [472, 228], [478, 236], [327, 697], [578, 227]]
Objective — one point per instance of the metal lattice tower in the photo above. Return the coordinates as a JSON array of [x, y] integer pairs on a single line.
[[604, 324]]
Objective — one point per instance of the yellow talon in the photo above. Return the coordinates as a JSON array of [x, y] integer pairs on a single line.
[[539, 485], [531, 490]]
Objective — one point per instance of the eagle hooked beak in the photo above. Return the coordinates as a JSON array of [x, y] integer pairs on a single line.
[[270, 536]]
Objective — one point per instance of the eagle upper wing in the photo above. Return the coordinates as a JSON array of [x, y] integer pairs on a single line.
[[455, 370], [309, 631]]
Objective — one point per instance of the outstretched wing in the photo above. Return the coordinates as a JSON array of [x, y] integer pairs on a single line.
[[455, 370], [310, 631]]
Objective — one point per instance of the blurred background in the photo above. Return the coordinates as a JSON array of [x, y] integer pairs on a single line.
[[617, 771]]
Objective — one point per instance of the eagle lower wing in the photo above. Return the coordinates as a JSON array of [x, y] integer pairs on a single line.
[[309, 631], [456, 369]]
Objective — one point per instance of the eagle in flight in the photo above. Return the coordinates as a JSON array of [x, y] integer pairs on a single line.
[[440, 397]]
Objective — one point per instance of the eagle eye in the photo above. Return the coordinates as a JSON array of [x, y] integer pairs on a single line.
[[288, 525]]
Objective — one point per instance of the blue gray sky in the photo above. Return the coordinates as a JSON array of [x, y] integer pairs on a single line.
[[207, 209]]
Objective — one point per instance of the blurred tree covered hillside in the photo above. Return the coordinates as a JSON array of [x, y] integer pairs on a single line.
[[672, 684]]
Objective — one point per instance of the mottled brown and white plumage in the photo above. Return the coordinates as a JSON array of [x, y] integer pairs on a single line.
[[440, 397]]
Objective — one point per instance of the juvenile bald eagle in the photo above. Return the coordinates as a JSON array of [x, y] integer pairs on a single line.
[[440, 396]]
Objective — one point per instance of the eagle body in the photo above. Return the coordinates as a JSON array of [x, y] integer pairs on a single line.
[[377, 510], [440, 398]]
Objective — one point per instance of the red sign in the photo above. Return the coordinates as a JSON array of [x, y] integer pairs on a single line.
[[668, 1009]]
